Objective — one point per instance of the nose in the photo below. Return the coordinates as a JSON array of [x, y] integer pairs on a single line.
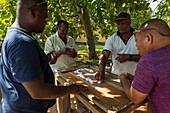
[[65, 32], [120, 24]]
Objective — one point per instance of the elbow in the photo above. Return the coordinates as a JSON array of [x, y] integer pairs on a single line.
[[135, 100], [36, 95], [136, 96]]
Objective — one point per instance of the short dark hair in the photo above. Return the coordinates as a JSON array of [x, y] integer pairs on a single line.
[[58, 24]]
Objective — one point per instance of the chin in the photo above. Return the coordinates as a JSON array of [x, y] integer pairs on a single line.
[[123, 32], [63, 36], [141, 53]]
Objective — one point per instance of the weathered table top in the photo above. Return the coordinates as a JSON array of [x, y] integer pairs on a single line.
[[106, 97]]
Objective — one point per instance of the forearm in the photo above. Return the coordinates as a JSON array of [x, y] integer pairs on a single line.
[[53, 55], [59, 52], [103, 60], [56, 54], [49, 91], [133, 57], [126, 86]]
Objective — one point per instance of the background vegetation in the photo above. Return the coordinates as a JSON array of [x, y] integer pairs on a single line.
[[83, 55], [88, 18]]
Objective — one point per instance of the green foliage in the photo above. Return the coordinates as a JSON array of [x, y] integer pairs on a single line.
[[163, 11], [7, 15], [83, 55], [102, 14]]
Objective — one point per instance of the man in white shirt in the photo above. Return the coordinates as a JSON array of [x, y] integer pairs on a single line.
[[63, 47], [64, 52], [122, 45]]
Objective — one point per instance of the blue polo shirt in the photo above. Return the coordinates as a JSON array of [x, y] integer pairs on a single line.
[[22, 60]]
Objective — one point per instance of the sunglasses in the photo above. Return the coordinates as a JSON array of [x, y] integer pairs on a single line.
[[38, 4], [143, 30]]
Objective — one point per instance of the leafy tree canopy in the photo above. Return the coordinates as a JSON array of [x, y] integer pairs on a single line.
[[102, 15]]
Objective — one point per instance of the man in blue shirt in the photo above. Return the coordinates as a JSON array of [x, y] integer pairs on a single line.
[[26, 79]]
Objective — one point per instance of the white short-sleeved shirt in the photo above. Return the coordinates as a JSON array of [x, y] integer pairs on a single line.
[[54, 43], [115, 45]]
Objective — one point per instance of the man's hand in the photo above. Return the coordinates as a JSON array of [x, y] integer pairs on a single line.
[[100, 75], [133, 94], [52, 57], [70, 52], [75, 89], [126, 83], [122, 57], [126, 76]]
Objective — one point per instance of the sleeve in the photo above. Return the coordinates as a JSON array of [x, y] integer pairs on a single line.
[[24, 60], [48, 46], [72, 43], [109, 44], [143, 78]]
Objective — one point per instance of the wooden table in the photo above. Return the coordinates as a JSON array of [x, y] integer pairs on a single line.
[[107, 97]]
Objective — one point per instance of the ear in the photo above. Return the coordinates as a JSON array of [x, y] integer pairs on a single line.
[[149, 38]]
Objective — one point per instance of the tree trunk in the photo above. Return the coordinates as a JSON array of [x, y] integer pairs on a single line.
[[84, 15]]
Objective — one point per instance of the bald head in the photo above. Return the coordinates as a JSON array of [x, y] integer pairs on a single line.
[[152, 35], [157, 24], [30, 15], [24, 5], [28, 3]]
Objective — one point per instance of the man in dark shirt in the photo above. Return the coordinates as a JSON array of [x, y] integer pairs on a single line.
[[26, 79]]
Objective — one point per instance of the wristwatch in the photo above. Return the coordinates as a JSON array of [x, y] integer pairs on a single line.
[[53, 55]]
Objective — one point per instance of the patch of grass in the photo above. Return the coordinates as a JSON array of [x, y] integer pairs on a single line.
[[83, 56]]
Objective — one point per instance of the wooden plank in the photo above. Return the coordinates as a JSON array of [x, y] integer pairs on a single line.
[[60, 106], [62, 81], [89, 104], [130, 107], [120, 105], [98, 102], [65, 78], [73, 68], [77, 76], [114, 84], [103, 106]]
